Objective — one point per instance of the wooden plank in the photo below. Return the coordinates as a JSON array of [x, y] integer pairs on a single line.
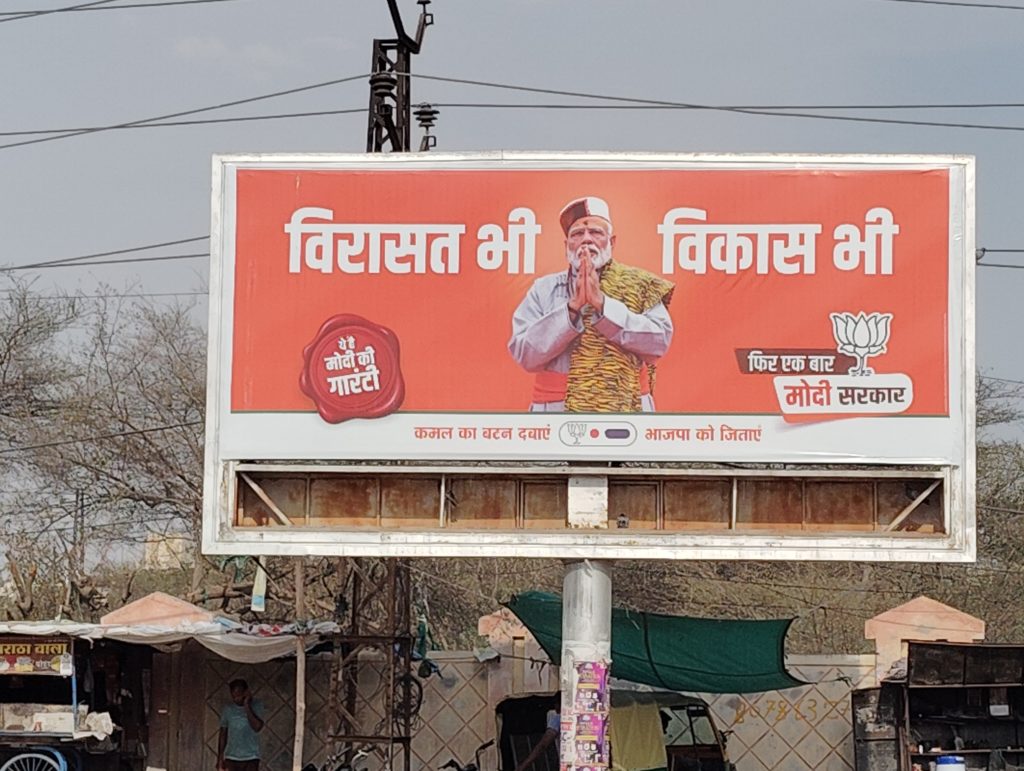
[[160, 711], [192, 712]]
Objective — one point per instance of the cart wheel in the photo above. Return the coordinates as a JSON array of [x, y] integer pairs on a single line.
[[33, 761]]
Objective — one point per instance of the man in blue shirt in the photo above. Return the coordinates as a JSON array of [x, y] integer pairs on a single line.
[[552, 730], [240, 723]]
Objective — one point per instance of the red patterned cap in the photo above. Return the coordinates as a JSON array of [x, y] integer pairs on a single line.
[[590, 206]]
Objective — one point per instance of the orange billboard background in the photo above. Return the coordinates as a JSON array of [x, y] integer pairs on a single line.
[[453, 329]]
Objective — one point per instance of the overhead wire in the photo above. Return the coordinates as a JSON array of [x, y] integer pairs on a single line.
[[623, 102], [777, 111], [524, 106], [772, 112], [157, 258], [960, 4], [182, 113], [1002, 379], [120, 295], [97, 437], [111, 253], [979, 255], [33, 14], [800, 106], [200, 122], [698, 106], [106, 7], [117, 523]]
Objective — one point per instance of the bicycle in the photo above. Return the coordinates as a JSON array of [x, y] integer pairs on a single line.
[[335, 762], [474, 766]]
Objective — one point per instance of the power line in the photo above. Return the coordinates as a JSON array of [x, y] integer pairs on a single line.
[[979, 255], [118, 295], [518, 106], [96, 7], [790, 111], [182, 113], [33, 14], [804, 106], [126, 260], [771, 112], [99, 526], [98, 437], [202, 122], [108, 262], [962, 4], [716, 108], [766, 111], [1002, 379], [82, 258]]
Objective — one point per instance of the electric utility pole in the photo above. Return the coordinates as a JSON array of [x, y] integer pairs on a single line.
[[389, 128]]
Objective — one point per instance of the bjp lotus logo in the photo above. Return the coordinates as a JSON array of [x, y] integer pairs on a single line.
[[861, 336]]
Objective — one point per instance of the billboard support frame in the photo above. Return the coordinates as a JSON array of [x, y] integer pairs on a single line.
[[885, 545]]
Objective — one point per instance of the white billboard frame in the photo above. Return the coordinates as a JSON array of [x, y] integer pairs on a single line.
[[220, 536]]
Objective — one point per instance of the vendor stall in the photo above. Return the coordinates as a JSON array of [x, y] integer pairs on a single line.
[[44, 726]]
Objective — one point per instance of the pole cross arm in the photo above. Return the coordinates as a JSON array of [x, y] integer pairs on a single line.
[[425, 20]]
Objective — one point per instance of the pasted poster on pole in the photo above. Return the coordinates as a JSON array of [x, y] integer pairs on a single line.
[[800, 309]]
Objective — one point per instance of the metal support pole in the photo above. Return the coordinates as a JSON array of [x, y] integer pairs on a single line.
[[586, 664], [300, 667]]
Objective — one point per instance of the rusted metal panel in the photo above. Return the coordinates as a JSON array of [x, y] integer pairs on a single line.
[[409, 502], [702, 503], [770, 504], [636, 501], [345, 501], [840, 505], [544, 505], [482, 503]]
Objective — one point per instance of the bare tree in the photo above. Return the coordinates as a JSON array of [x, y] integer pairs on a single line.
[[108, 423], [31, 330]]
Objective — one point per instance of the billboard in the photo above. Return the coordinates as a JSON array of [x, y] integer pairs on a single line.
[[580, 307], [429, 354]]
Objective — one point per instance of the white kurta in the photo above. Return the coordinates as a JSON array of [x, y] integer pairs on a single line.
[[544, 335]]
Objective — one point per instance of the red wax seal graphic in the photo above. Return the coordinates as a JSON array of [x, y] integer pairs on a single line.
[[352, 370]]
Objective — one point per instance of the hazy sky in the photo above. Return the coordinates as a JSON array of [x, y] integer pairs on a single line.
[[119, 189]]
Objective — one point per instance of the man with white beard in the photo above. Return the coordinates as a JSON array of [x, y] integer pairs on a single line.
[[593, 333]]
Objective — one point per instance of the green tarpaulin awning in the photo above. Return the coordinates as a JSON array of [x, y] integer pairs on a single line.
[[675, 652]]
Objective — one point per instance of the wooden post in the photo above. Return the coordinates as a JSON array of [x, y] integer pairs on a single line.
[[300, 666]]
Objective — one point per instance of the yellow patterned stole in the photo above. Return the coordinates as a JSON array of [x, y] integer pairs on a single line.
[[602, 376]]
